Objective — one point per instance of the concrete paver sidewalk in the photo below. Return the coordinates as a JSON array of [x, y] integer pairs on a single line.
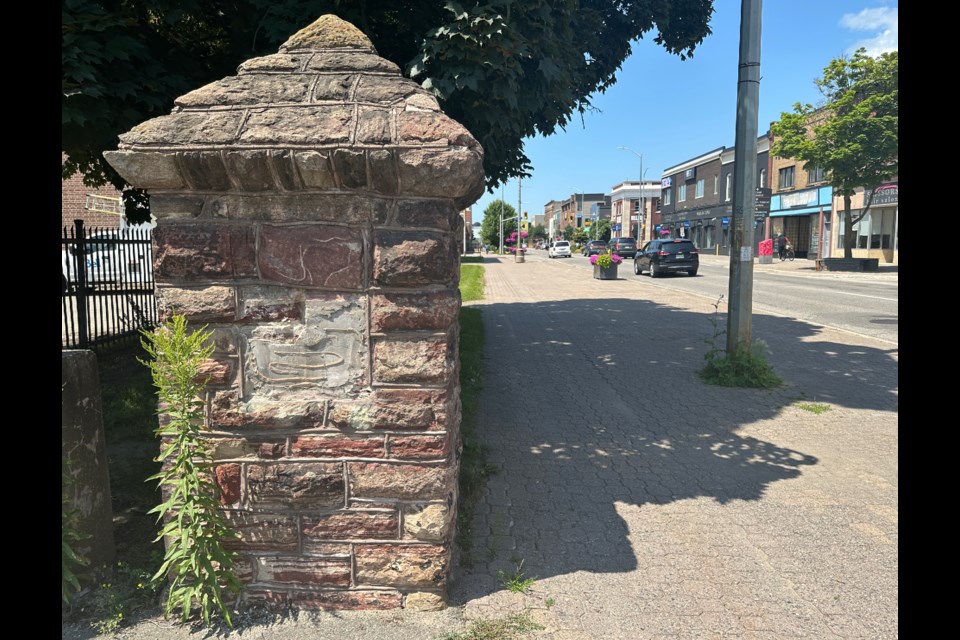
[[647, 504]]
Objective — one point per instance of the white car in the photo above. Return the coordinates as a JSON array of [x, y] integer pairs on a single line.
[[121, 258], [559, 249]]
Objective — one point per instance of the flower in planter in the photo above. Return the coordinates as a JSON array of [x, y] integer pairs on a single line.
[[605, 260]]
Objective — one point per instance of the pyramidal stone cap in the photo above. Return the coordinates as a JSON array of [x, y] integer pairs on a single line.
[[328, 32], [323, 113]]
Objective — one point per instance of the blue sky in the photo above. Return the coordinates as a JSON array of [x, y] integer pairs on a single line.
[[671, 110]]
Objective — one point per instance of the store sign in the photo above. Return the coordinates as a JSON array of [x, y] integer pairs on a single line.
[[799, 199], [666, 183], [887, 194]]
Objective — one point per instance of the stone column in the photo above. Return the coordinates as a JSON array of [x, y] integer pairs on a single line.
[[307, 210]]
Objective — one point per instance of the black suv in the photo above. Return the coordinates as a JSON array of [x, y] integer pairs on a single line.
[[594, 248], [667, 256], [623, 247]]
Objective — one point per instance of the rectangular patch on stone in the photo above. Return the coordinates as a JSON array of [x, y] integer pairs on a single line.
[[302, 486], [326, 352], [399, 481], [349, 526], [311, 256], [337, 447], [425, 361], [424, 566], [263, 532], [304, 571]]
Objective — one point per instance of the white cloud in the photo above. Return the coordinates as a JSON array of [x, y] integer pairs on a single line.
[[884, 21]]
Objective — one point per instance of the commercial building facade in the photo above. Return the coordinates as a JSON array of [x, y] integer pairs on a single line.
[[697, 198], [633, 209]]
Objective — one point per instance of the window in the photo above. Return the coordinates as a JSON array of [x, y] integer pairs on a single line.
[[786, 177], [763, 178], [666, 196], [716, 185], [816, 174], [860, 229], [699, 188], [682, 193], [729, 188], [677, 246]]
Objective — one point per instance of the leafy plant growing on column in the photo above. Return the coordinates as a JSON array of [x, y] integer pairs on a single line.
[[198, 566]]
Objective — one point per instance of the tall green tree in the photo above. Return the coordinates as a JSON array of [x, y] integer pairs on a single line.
[[854, 135], [506, 70], [490, 227], [600, 230], [538, 232]]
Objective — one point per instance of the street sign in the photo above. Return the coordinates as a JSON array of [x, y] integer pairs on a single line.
[[761, 206]]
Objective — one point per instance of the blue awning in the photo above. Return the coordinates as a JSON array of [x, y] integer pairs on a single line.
[[805, 211]]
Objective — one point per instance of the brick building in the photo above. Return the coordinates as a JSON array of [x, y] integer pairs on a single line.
[[96, 207]]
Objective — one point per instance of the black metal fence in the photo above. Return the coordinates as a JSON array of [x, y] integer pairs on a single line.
[[107, 288]]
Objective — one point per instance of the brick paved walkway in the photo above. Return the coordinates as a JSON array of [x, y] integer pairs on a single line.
[[650, 505]]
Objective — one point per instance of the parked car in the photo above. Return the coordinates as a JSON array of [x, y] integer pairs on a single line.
[[623, 247], [559, 249], [119, 257], [667, 256], [594, 248]]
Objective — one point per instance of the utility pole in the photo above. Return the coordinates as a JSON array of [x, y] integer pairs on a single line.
[[501, 219], [740, 309], [518, 254], [640, 209]]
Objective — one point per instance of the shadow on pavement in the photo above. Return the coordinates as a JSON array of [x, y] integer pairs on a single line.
[[592, 403]]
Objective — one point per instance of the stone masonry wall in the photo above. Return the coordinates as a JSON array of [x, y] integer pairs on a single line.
[[308, 213]]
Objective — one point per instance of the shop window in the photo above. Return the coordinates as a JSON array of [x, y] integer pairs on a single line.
[[787, 177], [886, 227]]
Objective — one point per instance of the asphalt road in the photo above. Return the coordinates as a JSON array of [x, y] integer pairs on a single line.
[[865, 304]]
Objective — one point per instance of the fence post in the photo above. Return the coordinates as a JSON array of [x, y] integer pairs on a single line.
[[80, 269]]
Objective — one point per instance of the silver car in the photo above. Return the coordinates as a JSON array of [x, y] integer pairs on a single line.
[[559, 249]]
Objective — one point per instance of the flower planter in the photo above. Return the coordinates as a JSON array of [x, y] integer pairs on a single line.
[[605, 273]]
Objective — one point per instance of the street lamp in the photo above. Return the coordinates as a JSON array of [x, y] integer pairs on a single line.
[[642, 211]]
